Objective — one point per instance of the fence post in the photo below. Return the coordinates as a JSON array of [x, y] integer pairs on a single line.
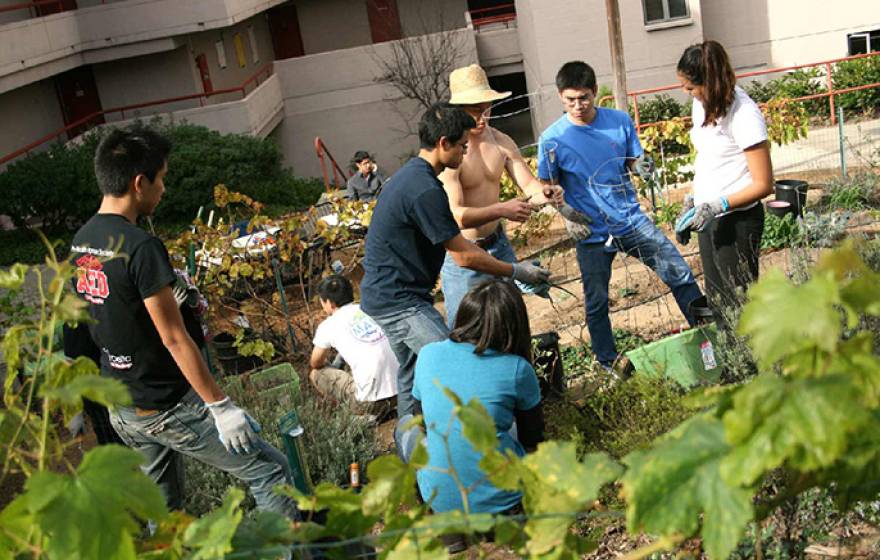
[[841, 139], [830, 83]]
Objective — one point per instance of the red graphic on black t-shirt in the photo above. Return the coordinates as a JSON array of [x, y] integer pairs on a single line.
[[91, 281]]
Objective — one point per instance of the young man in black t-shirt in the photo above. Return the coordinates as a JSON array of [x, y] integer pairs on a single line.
[[125, 277]]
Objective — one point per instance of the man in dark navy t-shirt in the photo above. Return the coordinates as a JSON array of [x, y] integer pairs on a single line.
[[411, 230], [124, 276]]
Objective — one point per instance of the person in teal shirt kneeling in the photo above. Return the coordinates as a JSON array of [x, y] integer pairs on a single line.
[[487, 357]]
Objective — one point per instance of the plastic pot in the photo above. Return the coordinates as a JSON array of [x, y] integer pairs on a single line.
[[779, 208], [794, 192], [230, 360]]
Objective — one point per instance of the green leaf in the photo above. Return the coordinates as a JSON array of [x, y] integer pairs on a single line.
[[477, 426], [392, 483], [70, 309], [559, 470], [413, 546], [503, 470], [96, 388], [94, 513], [669, 487], [11, 347], [14, 277], [211, 536], [782, 319], [263, 535], [805, 423], [557, 484]]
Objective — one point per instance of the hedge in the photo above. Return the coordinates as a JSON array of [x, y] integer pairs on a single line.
[[58, 186]]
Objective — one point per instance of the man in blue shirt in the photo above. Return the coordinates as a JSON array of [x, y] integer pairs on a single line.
[[591, 151], [411, 230]]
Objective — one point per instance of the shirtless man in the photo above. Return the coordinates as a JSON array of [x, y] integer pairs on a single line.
[[475, 186]]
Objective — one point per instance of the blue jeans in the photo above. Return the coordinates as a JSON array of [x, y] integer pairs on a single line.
[[456, 281], [408, 331], [188, 428], [649, 245]]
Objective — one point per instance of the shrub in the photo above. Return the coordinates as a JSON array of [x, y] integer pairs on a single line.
[[25, 246], [853, 193], [59, 185], [798, 83], [333, 438], [56, 186], [630, 414], [660, 108], [202, 158], [858, 72]]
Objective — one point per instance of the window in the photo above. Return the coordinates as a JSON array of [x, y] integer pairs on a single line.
[[658, 11], [864, 42]]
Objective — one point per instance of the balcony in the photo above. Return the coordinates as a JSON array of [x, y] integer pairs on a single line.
[[43, 46], [257, 113]]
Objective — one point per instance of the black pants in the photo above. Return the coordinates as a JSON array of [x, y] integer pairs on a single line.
[[729, 249]]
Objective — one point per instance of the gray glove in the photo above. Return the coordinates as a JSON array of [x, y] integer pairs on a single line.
[[644, 167], [576, 223], [528, 273], [238, 431], [706, 212], [683, 234]]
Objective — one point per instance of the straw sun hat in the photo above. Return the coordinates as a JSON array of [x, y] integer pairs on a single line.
[[470, 86]]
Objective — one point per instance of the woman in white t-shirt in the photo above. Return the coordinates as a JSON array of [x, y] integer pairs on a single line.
[[732, 171]]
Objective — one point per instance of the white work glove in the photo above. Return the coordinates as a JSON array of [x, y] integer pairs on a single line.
[[576, 223], [238, 431], [706, 212], [529, 273]]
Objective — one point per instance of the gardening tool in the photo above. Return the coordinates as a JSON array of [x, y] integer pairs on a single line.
[[291, 433]]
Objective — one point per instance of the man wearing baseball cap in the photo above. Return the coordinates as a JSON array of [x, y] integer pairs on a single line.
[[474, 187]]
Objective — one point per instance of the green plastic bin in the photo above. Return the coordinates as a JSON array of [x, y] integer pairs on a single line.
[[688, 358]]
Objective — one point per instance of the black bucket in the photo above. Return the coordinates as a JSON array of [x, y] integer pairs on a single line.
[[700, 311], [794, 192], [548, 359], [230, 360], [779, 208]]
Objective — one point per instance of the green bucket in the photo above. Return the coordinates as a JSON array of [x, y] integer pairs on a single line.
[[688, 358], [279, 383]]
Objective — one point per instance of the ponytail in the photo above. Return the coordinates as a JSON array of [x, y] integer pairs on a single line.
[[707, 65]]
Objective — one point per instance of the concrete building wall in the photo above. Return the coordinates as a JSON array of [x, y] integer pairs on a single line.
[[147, 78], [418, 17], [32, 44], [14, 15], [554, 33], [28, 113], [499, 51], [763, 33], [328, 25], [347, 108], [255, 115], [233, 75]]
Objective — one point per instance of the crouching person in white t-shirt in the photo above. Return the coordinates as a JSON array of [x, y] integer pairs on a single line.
[[371, 386]]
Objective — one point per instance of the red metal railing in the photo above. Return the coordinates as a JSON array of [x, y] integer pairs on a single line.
[[90, 120], [503, 13], [339, 176], [830, 92]]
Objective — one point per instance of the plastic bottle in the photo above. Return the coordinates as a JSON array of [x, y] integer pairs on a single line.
[[354, 476]]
